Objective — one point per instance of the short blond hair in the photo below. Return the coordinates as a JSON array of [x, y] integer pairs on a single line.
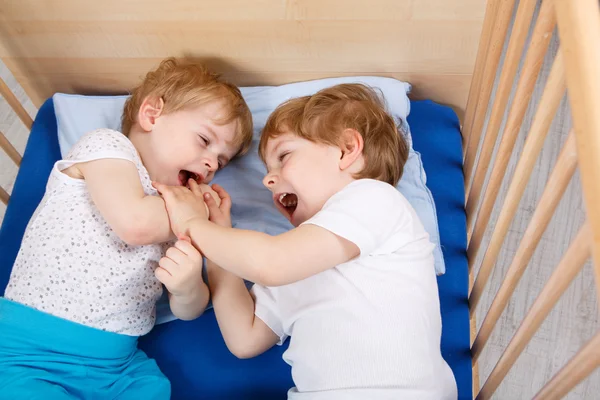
[[183, 84], [322, 117]]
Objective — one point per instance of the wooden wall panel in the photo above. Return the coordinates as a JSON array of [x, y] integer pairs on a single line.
[[105, 47]]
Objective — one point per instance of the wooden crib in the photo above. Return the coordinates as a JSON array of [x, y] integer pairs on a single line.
[[104, 47]]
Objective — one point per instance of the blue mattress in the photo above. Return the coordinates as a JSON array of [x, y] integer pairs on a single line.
[[192, 354]]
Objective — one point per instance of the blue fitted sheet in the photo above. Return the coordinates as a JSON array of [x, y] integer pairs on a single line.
[[192, 354]]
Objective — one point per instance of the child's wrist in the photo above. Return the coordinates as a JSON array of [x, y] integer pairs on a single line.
[[187, 228]]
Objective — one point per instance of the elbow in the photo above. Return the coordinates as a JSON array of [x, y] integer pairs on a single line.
[[133, 235], [241, 351], [271, 274], [136, 231], [188, 316]]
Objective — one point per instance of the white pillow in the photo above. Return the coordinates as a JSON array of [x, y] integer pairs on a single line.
[[78, 114], [242, 178]]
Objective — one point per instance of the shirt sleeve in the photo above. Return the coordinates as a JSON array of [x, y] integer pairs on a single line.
[[266, 309], [367, 213], [99, 144]]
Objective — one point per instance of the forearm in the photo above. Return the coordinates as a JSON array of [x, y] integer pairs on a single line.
[[234, 308], [190, 307], [247, 254], [150, 222]]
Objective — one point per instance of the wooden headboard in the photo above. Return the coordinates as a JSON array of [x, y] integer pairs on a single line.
[[104, 47]]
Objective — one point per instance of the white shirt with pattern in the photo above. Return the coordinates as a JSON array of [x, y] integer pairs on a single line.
[[71, 264]]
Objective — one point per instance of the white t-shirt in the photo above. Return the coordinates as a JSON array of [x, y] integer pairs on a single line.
[[72, 264], [369, 328]]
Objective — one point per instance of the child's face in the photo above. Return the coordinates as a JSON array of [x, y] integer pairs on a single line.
[[188, 144], [302, 175]]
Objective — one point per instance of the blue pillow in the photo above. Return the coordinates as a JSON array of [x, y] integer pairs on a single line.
[[242, 178]]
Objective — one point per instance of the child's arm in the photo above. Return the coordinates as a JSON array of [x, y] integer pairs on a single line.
[[245, 335], [180, 270], [258, 257], [116, 190]]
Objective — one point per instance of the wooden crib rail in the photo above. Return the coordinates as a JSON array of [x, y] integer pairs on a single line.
[[579, 28], [576, 68], [538, 46], [5, 144]]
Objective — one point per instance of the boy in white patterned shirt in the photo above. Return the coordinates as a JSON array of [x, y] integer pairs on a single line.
[[86, 280], [353, 284]]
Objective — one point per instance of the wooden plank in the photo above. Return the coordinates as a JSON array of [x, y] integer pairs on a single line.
[[41, 78], [475, 88], [579, 29], [141, 10], [15, 104], [570, 265], [9, 149], [534, 59], [4, 196], [578, 368], [207, 10], [546, 110], [553, 192], [512, 58], [429, 46], [475, 126]]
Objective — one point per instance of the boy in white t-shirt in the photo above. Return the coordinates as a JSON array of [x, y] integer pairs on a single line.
[[86, 280], [353, 284]]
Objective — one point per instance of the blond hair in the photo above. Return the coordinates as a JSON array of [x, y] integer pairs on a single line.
[[322, 117], [181, 85]]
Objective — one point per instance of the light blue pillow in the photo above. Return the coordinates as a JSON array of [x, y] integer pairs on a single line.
[[242, 178]]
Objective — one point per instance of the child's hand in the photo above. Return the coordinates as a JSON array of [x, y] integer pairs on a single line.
[[220, 214], [183, 205], [180, 270]]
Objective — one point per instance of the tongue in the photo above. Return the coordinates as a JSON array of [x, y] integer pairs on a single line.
[[290, 200], [183, 178]]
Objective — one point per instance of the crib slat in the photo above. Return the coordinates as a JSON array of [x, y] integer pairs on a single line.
[[551, 97], [569, 266], [579, 29], [496, 44], [555, 188], [4, 196], [9, 149], [516, 42], [484, 40], [534, 59], [576, 370], [15, 104]]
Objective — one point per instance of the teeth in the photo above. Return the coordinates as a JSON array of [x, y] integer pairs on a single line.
[[292, 201]]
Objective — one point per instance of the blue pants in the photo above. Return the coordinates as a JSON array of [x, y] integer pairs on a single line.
[[46, 357]]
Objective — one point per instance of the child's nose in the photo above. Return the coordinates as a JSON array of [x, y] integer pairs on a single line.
[[211, 163], [270, 180]]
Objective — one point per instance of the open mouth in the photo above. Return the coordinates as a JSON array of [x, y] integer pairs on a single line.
[[286, 203], [185, 176]]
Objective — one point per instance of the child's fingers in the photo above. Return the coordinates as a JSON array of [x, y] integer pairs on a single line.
[[220, 191], [195, 188], [188, 249], [224, 196], [159, 187], [211, 204], [175, 255], [163, 276]]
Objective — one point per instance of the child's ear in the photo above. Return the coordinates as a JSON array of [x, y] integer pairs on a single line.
[[150, 109], [352, 147]]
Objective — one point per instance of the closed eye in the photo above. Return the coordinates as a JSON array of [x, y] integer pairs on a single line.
[[283, 155], [204, 140]]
